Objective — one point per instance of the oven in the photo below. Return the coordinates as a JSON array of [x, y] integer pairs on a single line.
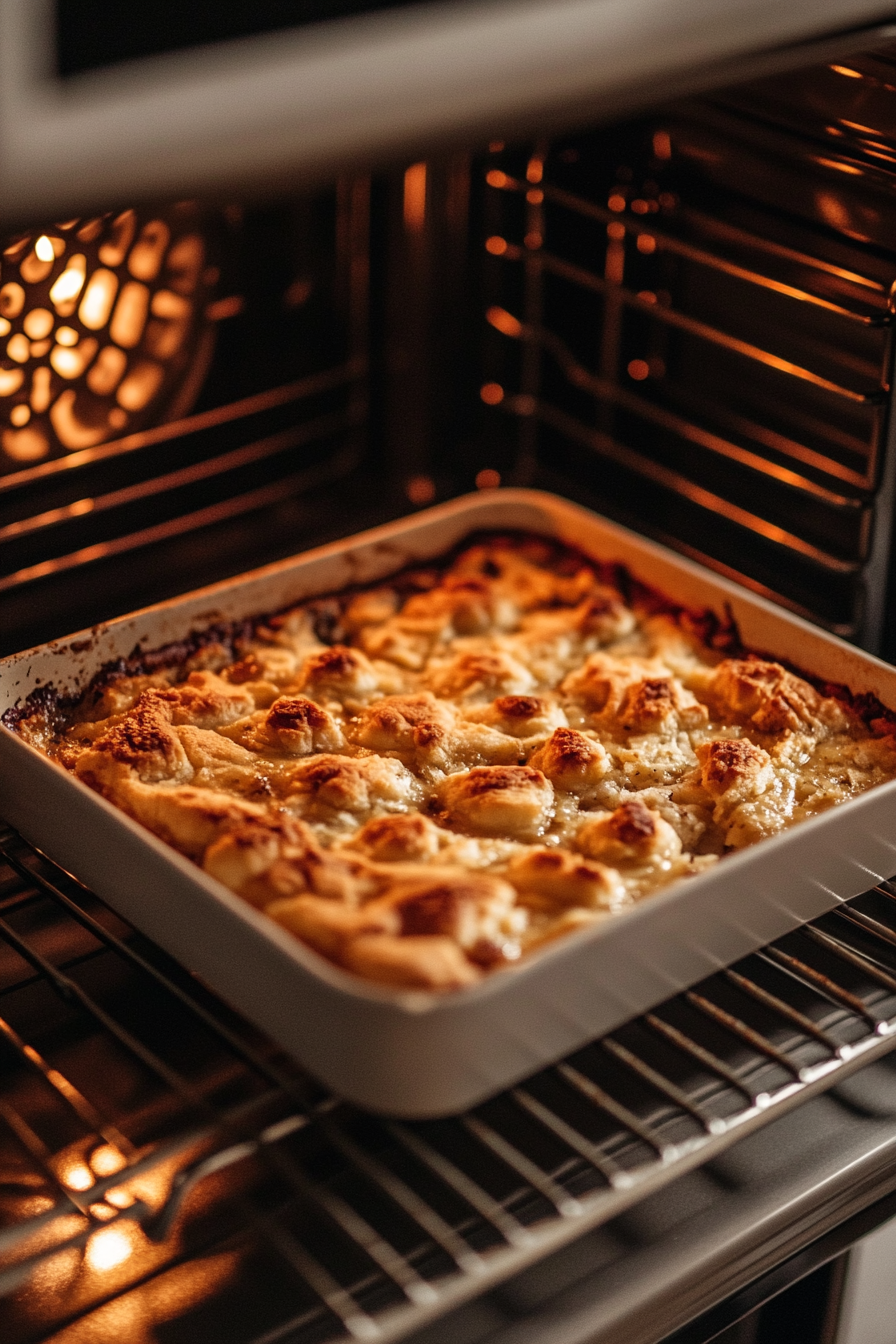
[[661, 285]]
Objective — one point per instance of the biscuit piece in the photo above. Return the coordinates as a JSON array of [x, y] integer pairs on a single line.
[[572, 761], [190, 819], [520, 715], [397, 838], [633, 834], [354, 784], [431, 962], [565, 879], [262, 858], [734, 768], [768, 697], [403, 723], [501, 800], [339, 673], [480, 674], [660, 705]]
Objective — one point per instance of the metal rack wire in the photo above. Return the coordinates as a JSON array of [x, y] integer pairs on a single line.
[[157, 1155], [717, 367]]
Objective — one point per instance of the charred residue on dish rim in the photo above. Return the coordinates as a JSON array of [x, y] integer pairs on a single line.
[[717, 632]]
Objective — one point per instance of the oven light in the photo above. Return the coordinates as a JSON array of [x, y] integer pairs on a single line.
[[104, 329], [77, 1175], [108, 1247]]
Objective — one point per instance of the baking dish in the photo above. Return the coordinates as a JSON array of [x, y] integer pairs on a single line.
[[415, 1053]]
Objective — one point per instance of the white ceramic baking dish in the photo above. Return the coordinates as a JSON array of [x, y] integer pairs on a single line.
[[421, 1054]]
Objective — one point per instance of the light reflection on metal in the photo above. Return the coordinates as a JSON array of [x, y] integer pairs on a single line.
[[109, 1247], [107, 319], [488, 479], [645, 466], [720, 229], [414, 202], [845, 70]]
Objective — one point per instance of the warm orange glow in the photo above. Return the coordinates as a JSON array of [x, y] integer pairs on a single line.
[[34, 268], [108, 1247], [107, 371], [533, 241], [119, 1198], [535, 196], [114, 249], [849, 168], [25, 445], [65, 291], [146, 256], [502, 321], [71, 363], [99, 296], [845, 70], [615, 230], [497, 246], [129, 317], [646, 243], [102, 1211], [140, 386], [43, 249], [12, 299], [38, 323], [495, 146], [647, 296], [19, 348], [421, 489], [616, 203], [10, 381], [638, 369], [640, 207], [535, 170], [5, 327], [662, 145], [495, 178], [415, 197], [487, 479], [41, 389], [72, 432], [185, 262], [492, 393], [67, 336], [20, 414], [107, 1159], [76, 1175]]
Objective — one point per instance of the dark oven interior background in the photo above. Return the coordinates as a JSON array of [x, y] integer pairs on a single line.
[[684, 321]]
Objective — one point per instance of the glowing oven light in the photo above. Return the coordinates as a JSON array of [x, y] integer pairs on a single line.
[[102, 325], [108, 1247]]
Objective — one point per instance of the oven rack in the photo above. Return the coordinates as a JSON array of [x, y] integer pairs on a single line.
[[725, 364], [135, 1156]]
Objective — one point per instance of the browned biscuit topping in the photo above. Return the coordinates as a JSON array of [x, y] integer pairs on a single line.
[[486, 757]]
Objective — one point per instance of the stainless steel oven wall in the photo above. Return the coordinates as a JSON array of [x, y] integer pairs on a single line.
[[689, 320]]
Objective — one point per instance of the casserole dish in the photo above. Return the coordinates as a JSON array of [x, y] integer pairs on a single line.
[[416, 1053]]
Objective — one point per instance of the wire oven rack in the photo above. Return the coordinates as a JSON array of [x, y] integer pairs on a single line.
[[157, 1155]]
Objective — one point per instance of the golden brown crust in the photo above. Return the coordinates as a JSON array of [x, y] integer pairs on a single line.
[[491, 756]]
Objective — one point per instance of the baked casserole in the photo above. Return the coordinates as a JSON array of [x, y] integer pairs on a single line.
[[428, 779]]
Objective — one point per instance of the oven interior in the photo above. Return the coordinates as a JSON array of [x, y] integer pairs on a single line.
[[682, 320]]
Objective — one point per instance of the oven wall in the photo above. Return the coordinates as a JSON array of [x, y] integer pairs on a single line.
[[688, 321]]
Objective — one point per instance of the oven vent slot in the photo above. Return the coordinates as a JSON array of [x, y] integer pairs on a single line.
[[159, 1156], [706, 355]]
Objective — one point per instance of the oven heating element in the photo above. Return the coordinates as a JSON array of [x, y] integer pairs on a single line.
[[161, 1156]]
